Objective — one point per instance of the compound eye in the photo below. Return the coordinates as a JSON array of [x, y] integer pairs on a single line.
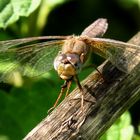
[[59, 59], [73, 58]]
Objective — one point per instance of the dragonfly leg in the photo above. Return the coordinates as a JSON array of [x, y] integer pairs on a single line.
[[82, 96], [68, 87], [81, 89], [63, 87]]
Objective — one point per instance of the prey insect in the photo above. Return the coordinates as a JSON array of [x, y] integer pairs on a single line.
[[67, 53]]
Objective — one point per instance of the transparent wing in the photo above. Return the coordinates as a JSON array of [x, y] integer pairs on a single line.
[[31, 60], [4, 45], [96, 29], [124, 56]]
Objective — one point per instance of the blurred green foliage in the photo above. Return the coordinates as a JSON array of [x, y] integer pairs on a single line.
[[22, 107], [12, 10], [121, 129]]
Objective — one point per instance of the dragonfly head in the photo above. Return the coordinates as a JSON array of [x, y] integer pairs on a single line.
[[67, 65]]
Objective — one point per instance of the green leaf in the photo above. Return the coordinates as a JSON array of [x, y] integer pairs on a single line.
[[11, 10], [121, 129], [22, 108]]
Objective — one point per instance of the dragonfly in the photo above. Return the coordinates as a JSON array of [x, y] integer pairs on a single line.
[[34, 56]]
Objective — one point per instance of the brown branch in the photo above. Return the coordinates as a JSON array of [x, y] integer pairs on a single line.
[[104, 102]]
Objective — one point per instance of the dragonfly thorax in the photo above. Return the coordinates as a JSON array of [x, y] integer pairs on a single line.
[[67, 65], [76, 45]]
